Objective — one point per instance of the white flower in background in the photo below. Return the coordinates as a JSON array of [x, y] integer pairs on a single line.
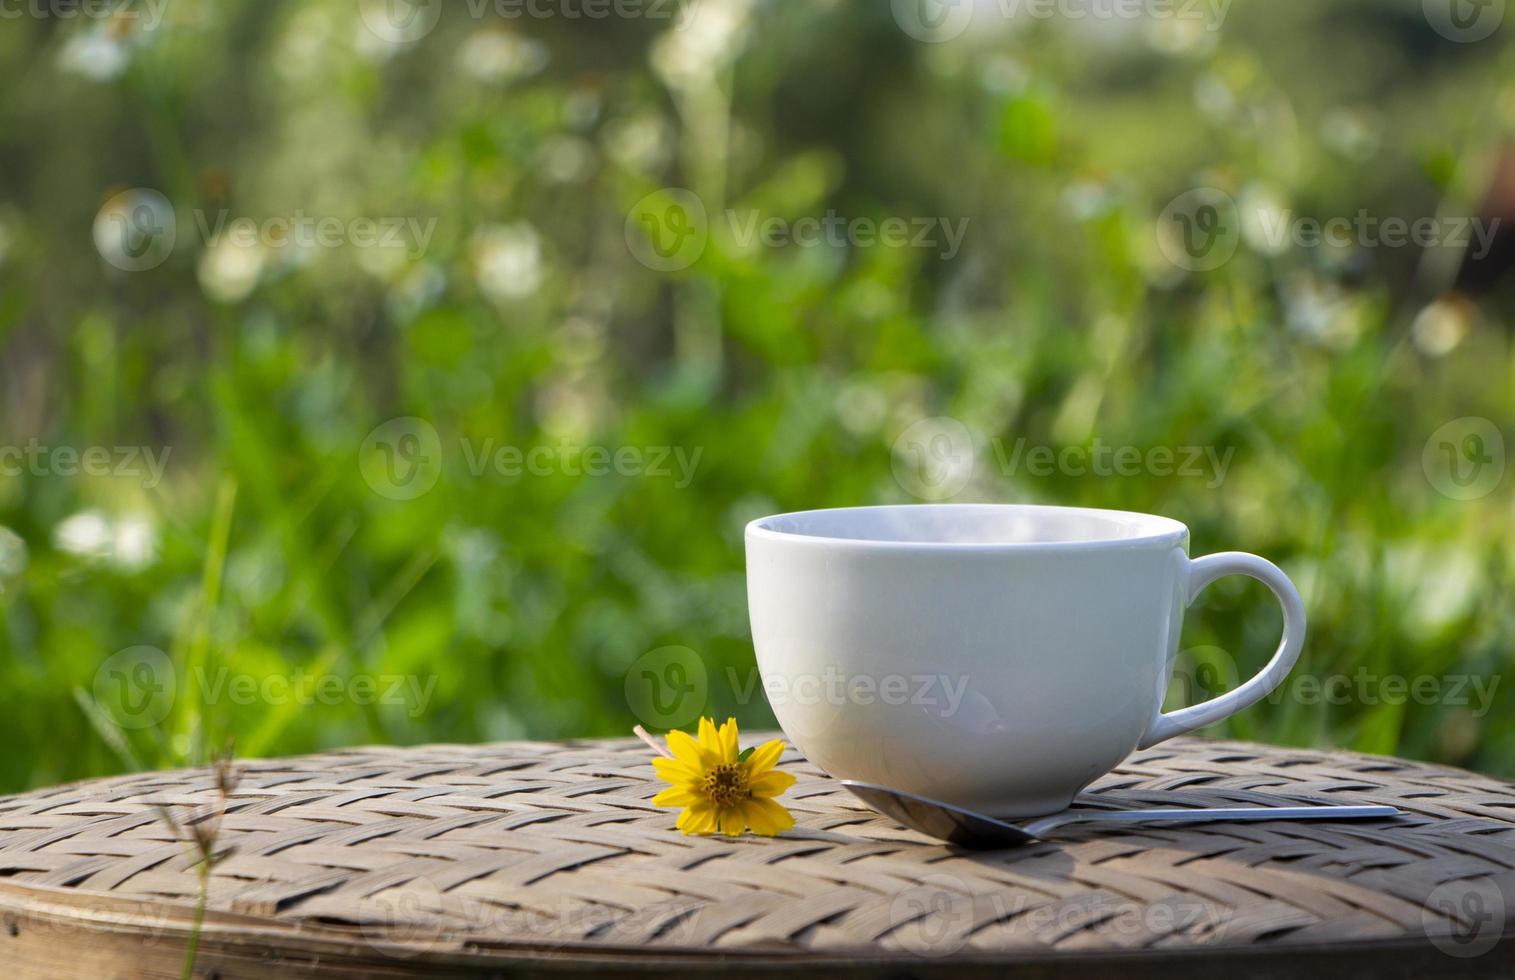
[[1265, 220], [98, 52], [1435, 586], [640, 143], [1086, 199], [134, 542], [13, 557], [86, 534], [230, 269], [417, 290], [473, 548], [1182, 35], [1004, 75], [381, 263], [507, 260], [1321, 311], [568, 406], [1441, 327], [567, 159], [493, 55], [1447, 593], [862, 407], [707, 38], [579, 341], [129, 542], [1354, 135], [1214, 98]]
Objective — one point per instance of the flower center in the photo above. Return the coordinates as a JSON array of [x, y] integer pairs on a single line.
[[726, 785]]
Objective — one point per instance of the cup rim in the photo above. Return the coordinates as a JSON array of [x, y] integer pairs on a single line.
[[1154, 530]]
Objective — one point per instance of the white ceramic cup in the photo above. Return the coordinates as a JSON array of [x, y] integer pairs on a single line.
[[998, 658]]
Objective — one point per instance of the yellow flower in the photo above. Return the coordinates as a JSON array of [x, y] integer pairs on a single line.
[[721, 790]]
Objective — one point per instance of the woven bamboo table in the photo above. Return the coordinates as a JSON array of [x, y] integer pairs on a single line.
[[535, 859]]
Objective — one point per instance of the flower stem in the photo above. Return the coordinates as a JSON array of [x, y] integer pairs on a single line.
[[655, 745]]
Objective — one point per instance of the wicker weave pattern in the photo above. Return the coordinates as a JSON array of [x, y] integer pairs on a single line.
[[555, 846]]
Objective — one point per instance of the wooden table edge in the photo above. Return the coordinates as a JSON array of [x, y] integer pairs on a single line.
[[107, 932]]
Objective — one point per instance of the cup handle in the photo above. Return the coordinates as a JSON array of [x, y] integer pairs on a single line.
[[1201, 572]]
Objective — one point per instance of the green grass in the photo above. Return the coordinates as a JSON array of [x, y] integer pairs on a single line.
[[513, 605]]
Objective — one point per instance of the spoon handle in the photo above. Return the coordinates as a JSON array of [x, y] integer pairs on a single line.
[[1039, 827]]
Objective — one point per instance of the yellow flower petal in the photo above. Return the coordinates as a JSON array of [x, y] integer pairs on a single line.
[[732, 823], [706, 821], [728, 738], [766, 817], [710, 739], [676, 772], [698, 819], [771, 783], [764, 757], [758, 819], [689, 752], [678, 796]]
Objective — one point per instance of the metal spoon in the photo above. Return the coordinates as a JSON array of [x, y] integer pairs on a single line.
[[974, 830]]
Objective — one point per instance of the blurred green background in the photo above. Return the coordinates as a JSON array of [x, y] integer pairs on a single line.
[[279, 542]]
